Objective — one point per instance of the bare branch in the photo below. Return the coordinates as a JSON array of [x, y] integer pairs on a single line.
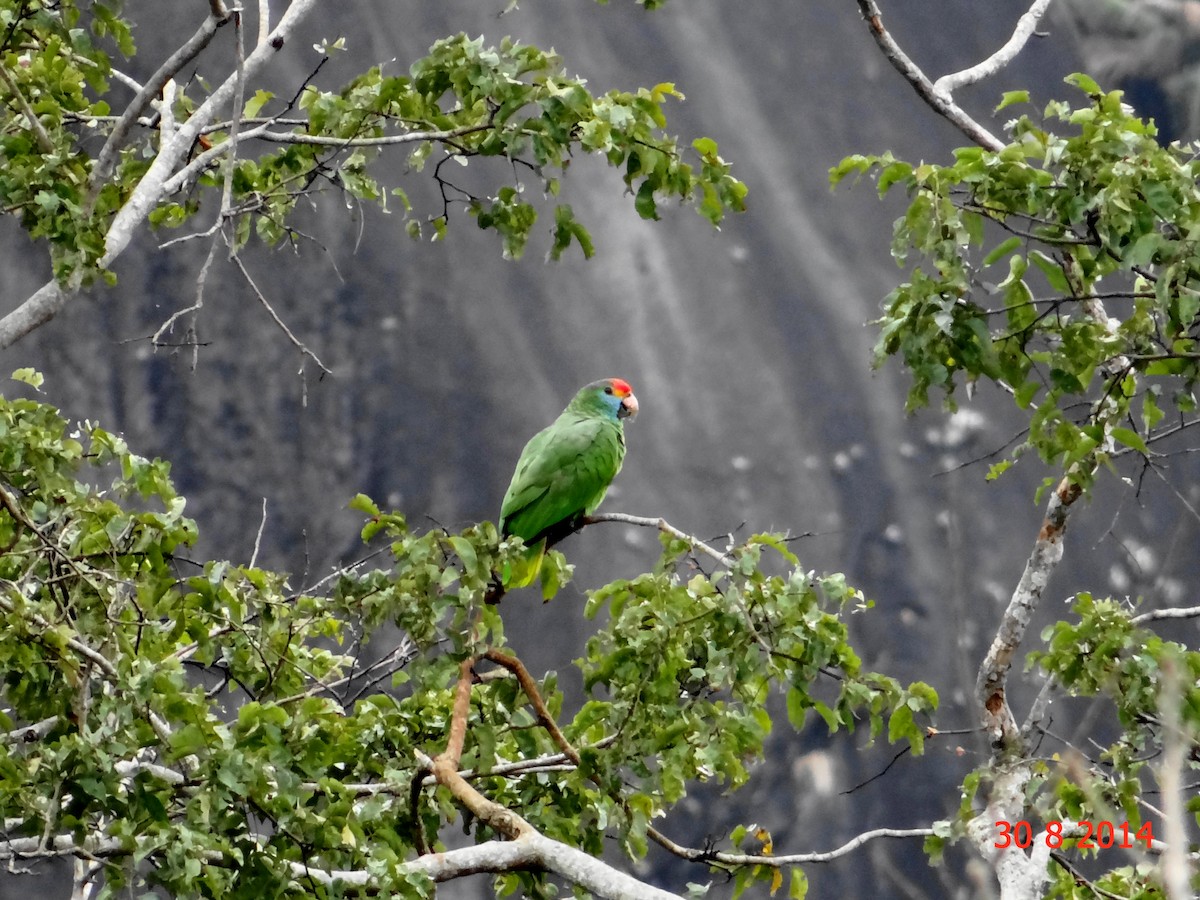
[[530, 851], [29, 733], [296, 342], [38, 309], [193, 169], [1176, 874], [793, 859], [49, 299], [262, 524], [386, 140], [664, 526], [941, 104], [530, 688], [264, 24], [1020, 874], [1026, 25], [1186, 612]]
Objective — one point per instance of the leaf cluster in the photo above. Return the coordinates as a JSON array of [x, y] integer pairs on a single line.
[[512, 103], [1062, 268], [55, 76]]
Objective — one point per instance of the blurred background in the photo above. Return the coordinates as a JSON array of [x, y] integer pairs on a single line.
[[749, 350]]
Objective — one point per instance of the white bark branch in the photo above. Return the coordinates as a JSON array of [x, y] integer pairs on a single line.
[[1188, 612], [1026, 25], [1043, 560], [146, 93], [912, 73], [44, 303], [1021, 875], [201, 162], [150, 189], [664, 526], [1176, 873], [531, 850], [786, 860]]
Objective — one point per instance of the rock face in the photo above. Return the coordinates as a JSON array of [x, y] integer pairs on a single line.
[[748, 350]]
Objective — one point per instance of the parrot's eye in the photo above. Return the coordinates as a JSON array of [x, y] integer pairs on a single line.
[[608, 390]]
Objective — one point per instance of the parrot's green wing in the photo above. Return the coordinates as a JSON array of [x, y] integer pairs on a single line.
[[564, 472]]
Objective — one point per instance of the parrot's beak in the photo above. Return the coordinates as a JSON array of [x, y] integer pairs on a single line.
[[629, 408]]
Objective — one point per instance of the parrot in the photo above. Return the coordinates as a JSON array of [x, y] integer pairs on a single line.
[[564, 472]]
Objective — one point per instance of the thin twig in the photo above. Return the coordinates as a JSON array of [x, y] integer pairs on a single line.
[[299, 344], [262, 524]]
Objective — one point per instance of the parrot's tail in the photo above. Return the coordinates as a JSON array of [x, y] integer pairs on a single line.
[[524, 569]]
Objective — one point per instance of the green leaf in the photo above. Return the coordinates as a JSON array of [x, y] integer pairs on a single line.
[[364, 504], [31, 377], [706, 147], [1053, 271], [797, 707], [1130, 438], [1084, 82], [255, 104], [1002, 249], [1011, 97], [644, 201], [798, 885]]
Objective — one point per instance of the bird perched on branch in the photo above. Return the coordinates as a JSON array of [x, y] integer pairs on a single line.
[[564, 472]]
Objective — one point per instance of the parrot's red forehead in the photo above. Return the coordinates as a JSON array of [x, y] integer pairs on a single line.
[[620, 387]]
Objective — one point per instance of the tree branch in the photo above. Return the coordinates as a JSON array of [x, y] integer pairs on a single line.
[[1026, 25], [794, 859], [665, 527], [150, 90], [941, 103], [1020, 874], [1188, 612], [296, 342], [38, 309], [990, 685], [1176, 873], [531, 850], [261, 132]]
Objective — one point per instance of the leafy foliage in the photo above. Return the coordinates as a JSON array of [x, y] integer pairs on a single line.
[[209, 729], [54, 64], [1061, 268], [513, 103]]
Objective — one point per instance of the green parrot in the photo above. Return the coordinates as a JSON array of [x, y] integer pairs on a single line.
[[564, 472]]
